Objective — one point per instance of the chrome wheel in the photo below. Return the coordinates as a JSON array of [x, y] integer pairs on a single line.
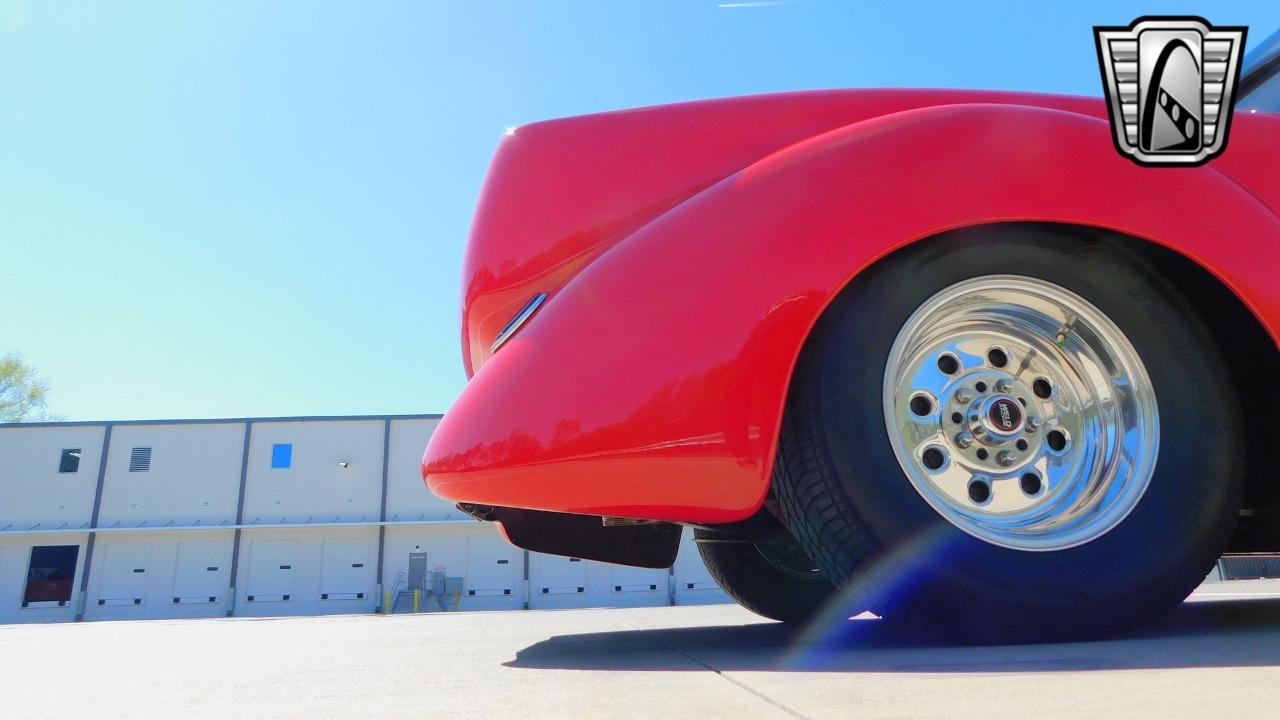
[[1021, 413]]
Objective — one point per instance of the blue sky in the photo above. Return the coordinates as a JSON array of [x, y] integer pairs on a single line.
[[214, 209]]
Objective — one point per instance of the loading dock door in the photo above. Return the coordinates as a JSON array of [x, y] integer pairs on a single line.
[[271, 573], [51, 573], [345, 573], [555, 575], [494, 567], [124, 574], [645, 581], [201, 573]]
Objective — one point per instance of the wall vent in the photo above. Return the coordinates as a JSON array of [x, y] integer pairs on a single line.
[[140, 459]]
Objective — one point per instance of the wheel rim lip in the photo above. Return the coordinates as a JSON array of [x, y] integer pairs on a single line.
[[1114, 431]]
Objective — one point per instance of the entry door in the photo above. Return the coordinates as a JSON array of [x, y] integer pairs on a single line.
[[418, 571]]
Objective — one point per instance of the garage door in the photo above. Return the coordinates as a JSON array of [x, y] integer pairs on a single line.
[[271, 572], [639, 581], [345, 572], [555, 575], [124, 574], [494, 567], [201, 574]]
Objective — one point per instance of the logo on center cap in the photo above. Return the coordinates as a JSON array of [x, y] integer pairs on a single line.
[[1005, 414]]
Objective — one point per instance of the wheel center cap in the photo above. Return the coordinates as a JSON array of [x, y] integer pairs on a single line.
[[1002, 415]]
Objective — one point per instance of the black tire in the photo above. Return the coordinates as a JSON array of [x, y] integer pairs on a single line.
[[762, 586], [847, 500]]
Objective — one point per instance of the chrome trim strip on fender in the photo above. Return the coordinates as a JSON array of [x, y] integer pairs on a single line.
[[518, 321]]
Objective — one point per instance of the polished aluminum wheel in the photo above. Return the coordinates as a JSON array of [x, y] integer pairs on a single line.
[[1021, 413]]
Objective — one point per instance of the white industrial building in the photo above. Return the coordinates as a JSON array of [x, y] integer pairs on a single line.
[[268, 516]]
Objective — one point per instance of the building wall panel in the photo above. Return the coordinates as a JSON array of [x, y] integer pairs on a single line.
[[445, 545], [264, 551], [316, 487], [469, 550], [15, 555], [407, 496], [171, 563], [193, 477], [32, 491]]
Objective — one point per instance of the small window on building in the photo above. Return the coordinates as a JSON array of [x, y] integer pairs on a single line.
[[51, 574], [140, 459], [282, 455], [70, 461]]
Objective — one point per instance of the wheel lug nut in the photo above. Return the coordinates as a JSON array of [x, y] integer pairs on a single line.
[[1004, 458], [1033, 423], [963, 395], [964, 439], [1004, 385]]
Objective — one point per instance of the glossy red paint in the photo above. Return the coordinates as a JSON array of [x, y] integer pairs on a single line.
[[689, 250], [560, 193]]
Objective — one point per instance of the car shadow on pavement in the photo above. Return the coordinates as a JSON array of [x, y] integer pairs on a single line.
[[1236, 633]]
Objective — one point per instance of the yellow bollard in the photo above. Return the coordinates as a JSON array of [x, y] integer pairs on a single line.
[[386, 604], [417, 600]]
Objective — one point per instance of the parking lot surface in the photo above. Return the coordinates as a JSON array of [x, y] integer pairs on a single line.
[[1218, 655]]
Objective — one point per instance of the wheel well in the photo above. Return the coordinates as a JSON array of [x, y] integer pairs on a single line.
[[1254, 360], [1252, 356], [1249, 351]]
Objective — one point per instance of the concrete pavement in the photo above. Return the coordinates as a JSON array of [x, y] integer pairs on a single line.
[[1217, 656]]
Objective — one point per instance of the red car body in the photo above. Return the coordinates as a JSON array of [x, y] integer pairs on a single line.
[[687, 250]]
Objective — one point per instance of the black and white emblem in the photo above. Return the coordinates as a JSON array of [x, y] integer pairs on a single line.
[[1170, 85]]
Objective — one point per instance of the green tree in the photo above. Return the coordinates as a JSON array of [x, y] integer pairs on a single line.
[[23, 393]]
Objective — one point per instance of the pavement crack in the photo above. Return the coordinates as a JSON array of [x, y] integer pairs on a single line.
[[743, 686]]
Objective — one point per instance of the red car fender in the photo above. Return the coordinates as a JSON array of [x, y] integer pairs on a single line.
[[652, 384]]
